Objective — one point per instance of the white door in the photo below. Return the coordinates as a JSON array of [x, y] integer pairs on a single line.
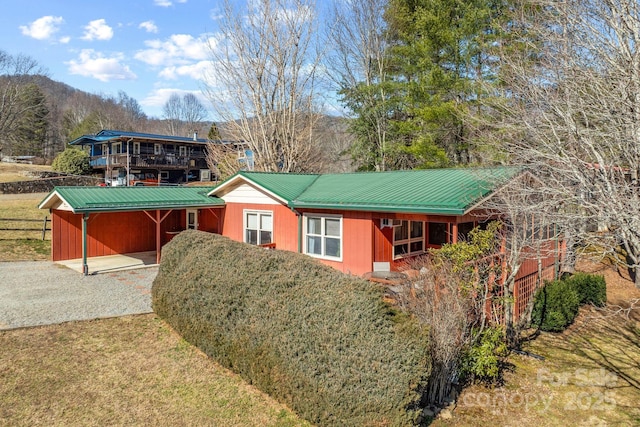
[[192, 219]]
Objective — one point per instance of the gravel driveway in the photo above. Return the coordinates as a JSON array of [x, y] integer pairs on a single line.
[[43, 293]]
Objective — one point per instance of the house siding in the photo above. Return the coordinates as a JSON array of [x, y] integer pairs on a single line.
[[285, 223], [112, 233]]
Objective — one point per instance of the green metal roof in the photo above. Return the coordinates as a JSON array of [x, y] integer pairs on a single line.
[[110, 199], [432, 191], [287, 186]]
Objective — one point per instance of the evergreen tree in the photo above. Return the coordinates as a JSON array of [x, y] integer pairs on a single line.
[[31, 132], [438, 60]]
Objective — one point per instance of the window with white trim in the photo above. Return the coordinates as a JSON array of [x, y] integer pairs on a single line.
[[182, 150], [258, 227], [323, 236], [157, 149], [408, 238]]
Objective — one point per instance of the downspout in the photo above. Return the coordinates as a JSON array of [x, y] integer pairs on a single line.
[[85, 266], [299, 215], [128, 160]]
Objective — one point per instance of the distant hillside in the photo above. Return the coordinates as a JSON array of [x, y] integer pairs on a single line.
[[73, 112]]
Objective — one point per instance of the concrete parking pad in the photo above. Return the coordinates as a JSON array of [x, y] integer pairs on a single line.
[[111, 263], [36, 293]]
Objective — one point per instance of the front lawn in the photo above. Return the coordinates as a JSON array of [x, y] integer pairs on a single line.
[[125, 371]]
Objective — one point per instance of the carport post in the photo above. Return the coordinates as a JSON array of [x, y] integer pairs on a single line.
[[85, 266]]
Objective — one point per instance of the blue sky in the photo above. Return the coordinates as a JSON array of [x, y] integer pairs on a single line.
[[147, 48]]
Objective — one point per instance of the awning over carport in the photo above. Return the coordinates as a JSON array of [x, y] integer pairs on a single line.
[[151, 200]]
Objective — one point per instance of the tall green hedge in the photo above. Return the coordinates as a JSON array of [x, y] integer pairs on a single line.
[[320, 341]]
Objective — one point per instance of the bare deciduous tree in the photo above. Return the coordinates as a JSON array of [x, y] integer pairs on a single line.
[[264, 81], [172, 114], [358, 68], [572, 114], [15, 72]]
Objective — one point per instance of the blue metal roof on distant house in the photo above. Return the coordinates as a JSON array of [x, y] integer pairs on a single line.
[[118, 135]]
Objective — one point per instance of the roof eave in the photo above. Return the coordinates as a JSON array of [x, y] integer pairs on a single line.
[[379, 208], [105, 209]]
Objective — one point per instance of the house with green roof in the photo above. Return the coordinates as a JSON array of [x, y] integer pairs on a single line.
[[354, 222], [357, 222], [100, 221]]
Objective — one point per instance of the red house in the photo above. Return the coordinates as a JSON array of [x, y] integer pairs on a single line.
[[351, 221], [354, 222]]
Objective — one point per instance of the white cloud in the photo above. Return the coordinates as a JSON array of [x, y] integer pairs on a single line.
[[149, 26], [42, 28], [179, 49], [160, 96], [65, 39], [167, 3], [197, 71], [97, 30], [94, 64]]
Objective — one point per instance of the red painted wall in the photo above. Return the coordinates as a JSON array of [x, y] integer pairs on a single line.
[[107, 234], [285, 224], [119, 232]]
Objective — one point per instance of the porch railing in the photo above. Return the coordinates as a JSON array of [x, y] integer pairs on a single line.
[[148, 160]]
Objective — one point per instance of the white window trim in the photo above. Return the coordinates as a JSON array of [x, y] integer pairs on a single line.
[[304, 236], [259, 212], [182, 150], [136, 148], [157, 149], [116, 148], [409, 240]]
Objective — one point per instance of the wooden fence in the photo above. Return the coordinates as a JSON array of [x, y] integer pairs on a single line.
[[21, 226]]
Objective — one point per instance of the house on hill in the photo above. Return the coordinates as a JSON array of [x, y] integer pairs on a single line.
[[133, 158]]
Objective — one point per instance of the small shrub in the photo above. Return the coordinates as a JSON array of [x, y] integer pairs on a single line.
[[482, 361], [320, 341], [555, 306], [73, 161], [591, 288]]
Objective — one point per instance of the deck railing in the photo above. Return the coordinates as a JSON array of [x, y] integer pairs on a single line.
[[148, 160]]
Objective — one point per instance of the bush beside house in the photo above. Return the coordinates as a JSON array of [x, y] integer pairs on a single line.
[[319, 341], [556, 305], [73, 161]]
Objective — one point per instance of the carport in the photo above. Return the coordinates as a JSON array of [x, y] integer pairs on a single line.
[[103, 221]]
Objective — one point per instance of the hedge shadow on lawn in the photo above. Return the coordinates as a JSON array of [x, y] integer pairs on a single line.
[[320, 341]]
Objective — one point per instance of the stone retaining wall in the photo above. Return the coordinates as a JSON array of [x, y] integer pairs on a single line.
[[46, 184]]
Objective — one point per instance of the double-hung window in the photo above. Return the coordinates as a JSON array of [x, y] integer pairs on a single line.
[[323, 236], [258, 227], [408, 238]]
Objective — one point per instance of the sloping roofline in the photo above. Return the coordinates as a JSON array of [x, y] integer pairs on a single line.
[[434, 191], [118, 135], [120, 199]]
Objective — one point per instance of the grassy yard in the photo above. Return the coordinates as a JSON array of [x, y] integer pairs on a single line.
[[590, 375], [125, 371], [23, 245], [11, 172]]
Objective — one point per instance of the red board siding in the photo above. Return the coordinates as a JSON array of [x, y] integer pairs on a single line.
[[107, 234], [120, 232], [285, 224]]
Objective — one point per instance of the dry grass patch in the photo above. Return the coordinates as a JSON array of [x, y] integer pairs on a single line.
[[12, 172], [124, 371], [590, 375]]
